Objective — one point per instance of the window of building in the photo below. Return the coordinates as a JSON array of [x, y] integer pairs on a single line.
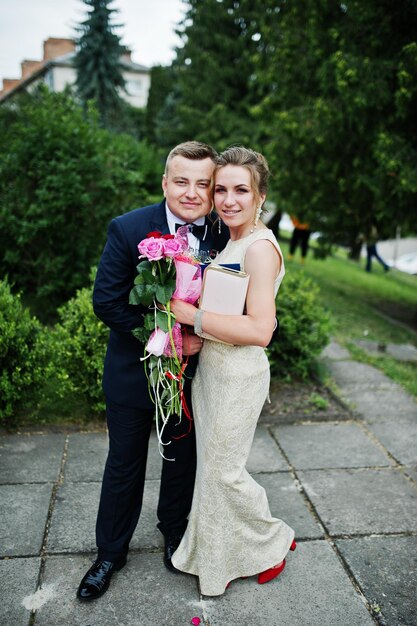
[[49, 79], [134, 87]]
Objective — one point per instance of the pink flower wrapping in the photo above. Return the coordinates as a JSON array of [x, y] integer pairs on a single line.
[[188, 280]]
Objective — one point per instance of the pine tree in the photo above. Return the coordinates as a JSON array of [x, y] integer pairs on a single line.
[[99, 71]]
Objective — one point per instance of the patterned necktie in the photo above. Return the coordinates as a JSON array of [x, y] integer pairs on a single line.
[[198, 231]]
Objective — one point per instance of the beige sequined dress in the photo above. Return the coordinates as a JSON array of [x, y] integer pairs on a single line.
[[231, 531]]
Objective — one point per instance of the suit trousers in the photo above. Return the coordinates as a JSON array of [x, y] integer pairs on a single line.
[[124, 477]]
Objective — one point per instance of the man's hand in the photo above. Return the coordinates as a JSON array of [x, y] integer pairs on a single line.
[[191, 343]]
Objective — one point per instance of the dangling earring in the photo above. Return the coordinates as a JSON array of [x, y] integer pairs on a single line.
[[220, 226], [257, 216]]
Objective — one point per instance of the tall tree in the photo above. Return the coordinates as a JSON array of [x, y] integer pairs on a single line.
[[212, 74], [326, 89], [339, 107], [98, 64], [162, 83]]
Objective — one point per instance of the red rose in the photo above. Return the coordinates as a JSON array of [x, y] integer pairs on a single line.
[[168, 236], [154, 233]]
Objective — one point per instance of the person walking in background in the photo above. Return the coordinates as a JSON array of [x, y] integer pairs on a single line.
[[371, 250], [187, 185], [300, 237]]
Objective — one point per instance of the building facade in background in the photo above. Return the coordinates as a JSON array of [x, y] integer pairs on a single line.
[[56, 70]]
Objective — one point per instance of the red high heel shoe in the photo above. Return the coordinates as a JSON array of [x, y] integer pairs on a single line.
[[273, 572]]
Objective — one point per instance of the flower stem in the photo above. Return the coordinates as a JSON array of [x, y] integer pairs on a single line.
[[171, 338]]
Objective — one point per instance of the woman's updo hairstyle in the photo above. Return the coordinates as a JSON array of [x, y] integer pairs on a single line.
[[253, 161]]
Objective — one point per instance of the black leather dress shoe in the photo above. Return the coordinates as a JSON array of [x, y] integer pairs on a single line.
[[171, 544], [97, 579]]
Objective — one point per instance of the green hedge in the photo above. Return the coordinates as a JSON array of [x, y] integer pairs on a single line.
[[304, 328], [62, 178], [81, 339], [24, 358], [55, 373]]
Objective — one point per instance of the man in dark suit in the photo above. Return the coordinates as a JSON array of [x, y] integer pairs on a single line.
[[187, 185]]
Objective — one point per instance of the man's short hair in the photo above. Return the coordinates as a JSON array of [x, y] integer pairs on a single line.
[[193, 150]]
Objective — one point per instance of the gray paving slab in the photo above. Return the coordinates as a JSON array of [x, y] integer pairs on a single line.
[[412, 472], [31, 458], [393, 590], [403, 352], [364, 501], [23, 515], [352, 372], [335, 352], [375, 404], [287, 503], [313, 590], [329, 445], [400, 352], [87, 454], [18, 583], [73, 522], [347, 477], [144, 593], [154, 464], [399, 436], [72, 527], [86, 457], [265, 456]]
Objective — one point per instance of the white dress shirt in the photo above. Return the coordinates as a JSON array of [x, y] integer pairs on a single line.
[[172, 219]]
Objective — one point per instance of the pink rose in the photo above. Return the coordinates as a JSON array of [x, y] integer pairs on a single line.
[[156, 343], [152, 249], [172, 247]]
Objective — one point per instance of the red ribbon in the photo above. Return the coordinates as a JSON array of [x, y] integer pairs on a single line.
[[184, 404]]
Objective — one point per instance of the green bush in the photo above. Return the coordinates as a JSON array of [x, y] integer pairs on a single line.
[[24, 358], [81, 339], [62, 178], [304, 328]]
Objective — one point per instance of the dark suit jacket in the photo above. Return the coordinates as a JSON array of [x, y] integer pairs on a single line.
[[124, 378]]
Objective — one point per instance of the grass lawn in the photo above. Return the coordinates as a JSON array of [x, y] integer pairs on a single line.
[[376, 306]]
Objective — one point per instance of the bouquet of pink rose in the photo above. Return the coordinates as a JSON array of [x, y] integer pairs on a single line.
[[168, 271]]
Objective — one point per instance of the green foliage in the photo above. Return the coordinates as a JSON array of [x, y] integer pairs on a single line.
[[304, 328], [162, 83], [322, 248], [62, 178], [210, 83], [98, 64], [317, 401], [80, 339], [326, 90], [340, 113], [154, 283], [128, 119], [24, 358]]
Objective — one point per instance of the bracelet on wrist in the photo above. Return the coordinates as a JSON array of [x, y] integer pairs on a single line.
[[198, 322]]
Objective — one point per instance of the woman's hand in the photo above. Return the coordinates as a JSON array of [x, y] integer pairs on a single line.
[[183, 311], [191, 344]]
